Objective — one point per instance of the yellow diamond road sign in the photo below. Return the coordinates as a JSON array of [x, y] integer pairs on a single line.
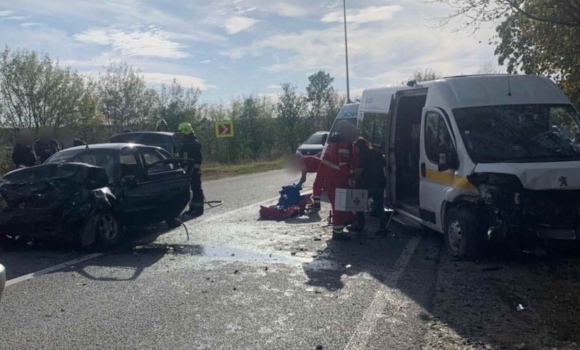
[[224, 129]]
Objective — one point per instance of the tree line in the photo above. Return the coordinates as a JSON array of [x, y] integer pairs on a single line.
[[37, 92], [533, 36]]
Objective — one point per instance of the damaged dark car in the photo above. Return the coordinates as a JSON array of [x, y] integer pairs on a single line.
[[89, 194]]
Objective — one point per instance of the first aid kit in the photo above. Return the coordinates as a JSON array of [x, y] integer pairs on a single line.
[[348, 199]]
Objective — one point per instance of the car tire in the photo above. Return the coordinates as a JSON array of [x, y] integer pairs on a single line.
[[173, 223], [108, 230], [465, 238]]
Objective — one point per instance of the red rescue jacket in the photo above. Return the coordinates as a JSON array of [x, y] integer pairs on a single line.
[[338, 162]]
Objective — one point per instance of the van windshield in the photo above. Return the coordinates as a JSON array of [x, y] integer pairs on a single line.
[[316, 139], [353, 121], [519, 133]]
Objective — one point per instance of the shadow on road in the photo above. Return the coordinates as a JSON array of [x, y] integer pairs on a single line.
[[133, 262], [510, 300]]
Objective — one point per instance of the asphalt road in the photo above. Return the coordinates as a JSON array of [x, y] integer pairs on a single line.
[[242, 283]]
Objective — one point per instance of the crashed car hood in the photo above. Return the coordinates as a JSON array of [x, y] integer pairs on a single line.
[[538, 176], [51, 182]]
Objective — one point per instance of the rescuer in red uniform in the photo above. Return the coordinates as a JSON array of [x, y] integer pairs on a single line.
[[336, 169]]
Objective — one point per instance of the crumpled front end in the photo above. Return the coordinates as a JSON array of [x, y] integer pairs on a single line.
[[515, 211], [54, 206]]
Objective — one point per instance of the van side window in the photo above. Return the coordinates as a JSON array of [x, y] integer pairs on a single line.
[[372, 127], [437, 137]]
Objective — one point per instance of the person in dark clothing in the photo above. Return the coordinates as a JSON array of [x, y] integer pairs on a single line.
[[23, 154], [191, 149], [161, 125], [46, 145], [67, 140], [371, 167]]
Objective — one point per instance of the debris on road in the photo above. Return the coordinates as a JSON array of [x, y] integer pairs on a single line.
[[520, 307]]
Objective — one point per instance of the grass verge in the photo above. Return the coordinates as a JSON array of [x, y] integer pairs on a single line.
[[214, 171]]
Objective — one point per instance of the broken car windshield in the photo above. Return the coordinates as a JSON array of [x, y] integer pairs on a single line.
[[98, 157], [519, 133]]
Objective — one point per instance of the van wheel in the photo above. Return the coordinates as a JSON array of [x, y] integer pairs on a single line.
[[464, 236]]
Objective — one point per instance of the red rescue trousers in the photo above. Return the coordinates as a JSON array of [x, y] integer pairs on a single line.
[[339, 218]]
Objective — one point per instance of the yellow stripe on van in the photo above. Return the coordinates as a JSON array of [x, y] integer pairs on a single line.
[[448, 178]]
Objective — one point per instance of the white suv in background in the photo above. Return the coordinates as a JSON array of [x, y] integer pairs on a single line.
[[314, 145]]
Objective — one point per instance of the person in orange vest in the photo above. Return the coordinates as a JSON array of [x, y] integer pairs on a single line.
[[336, 169]]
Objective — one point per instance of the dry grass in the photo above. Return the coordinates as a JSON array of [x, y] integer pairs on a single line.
[[215, 170]]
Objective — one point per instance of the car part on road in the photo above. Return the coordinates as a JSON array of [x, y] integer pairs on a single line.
[[214, 204]]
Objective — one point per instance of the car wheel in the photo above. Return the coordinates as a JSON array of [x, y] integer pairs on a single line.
[[464, 236], [108, 231], [173, 223]]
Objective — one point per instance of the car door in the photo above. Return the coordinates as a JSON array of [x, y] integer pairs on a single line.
[[436, 140], [164, 185], [134, 198]]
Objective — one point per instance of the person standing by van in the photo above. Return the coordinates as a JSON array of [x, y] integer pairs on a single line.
[[371, 177], [336, 169]]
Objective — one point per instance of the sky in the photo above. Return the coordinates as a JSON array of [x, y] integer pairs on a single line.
[[240, 47]]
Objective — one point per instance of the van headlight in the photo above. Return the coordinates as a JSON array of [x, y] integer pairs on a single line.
[[3, 203]]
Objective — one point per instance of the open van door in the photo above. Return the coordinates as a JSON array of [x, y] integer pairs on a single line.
[[438, 163], [389, 152]]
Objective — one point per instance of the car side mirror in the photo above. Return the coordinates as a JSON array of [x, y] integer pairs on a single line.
[[129, 181], [442, 164], [447, 160]]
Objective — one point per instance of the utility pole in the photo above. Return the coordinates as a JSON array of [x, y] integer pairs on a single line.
[[346, 54]]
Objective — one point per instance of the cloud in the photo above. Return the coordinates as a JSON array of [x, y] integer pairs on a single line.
[[236, 24], [183, 80], [151, 42], [366, 15], [14, 18], [274, 86], [285, 10], [29, 24], [384, 52], [6, 13], [205, 61]]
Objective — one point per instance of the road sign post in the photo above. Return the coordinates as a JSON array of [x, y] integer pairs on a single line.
[[224, 129]]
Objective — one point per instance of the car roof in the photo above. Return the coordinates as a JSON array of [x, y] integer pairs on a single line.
[[320, 132], [111, 146], [164, 133]]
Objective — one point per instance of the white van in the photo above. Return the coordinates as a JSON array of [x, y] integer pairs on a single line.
[[373, 113], [348, 112], [482, 158]]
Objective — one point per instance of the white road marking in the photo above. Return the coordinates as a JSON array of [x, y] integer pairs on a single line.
[[96, 255], [365, 328], [51, 269]]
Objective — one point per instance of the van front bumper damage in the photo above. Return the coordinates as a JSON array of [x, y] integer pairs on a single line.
[[514, 212]]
